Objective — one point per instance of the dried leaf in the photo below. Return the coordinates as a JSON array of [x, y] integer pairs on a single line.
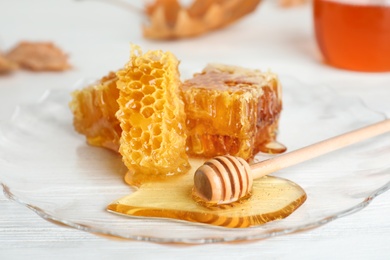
[[6, 66], [168, 19], [39, 56]]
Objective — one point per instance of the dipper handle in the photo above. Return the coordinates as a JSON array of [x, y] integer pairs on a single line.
[[309, 152]]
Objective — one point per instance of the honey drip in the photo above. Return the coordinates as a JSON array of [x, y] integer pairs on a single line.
[[272, 198]]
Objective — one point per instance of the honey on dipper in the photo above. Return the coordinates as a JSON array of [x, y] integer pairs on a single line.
[[222, 110]]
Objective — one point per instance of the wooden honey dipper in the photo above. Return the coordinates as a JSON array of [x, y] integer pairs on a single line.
[[226, 179]]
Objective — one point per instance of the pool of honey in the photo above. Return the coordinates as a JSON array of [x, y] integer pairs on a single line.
[[353, 36], [272, 198]]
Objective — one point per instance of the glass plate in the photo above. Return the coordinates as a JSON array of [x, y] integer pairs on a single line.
[[46, 166]]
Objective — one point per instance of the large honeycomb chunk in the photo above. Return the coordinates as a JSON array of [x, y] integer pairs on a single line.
[[94, 109], [232, 110], [151, 115]]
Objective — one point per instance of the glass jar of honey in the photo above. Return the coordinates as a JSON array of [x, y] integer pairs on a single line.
[[354, 34]]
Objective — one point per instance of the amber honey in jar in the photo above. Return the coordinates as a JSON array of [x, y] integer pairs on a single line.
[[354, 34]]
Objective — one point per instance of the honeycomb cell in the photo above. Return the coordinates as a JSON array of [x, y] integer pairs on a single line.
[[134, 105], [158, 96], [136, 132], [156, 143], [135, 75], [159, 105], [170, 115], [147, 80], [156, 65], [148, 100], [147, 112], [136, 119], [135, 96], [135, 85], [135, 144], [125, 127], [163, 149], [157, 73], [231, 110], [145, 68], [157, 83], [145, 137], [156, 130], [148, 89], [136, 156]]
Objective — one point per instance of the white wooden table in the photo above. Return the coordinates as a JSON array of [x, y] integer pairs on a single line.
[[97, 35]]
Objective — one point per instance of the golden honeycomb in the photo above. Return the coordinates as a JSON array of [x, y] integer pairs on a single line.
[[232, 110], [151, 115], [94, 109]]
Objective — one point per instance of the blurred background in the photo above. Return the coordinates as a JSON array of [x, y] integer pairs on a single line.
[[96, 36]]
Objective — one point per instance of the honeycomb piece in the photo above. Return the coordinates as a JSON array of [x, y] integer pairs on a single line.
[[232, 110], [94, 109], [151, 113]]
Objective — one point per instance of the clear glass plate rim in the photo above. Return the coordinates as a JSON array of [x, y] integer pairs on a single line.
[[272, 233]]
